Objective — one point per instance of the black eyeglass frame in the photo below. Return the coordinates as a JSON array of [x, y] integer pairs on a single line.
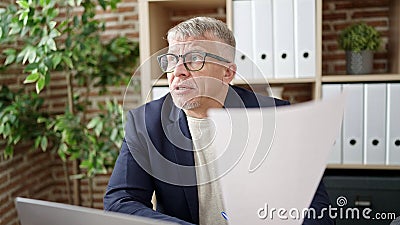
[[204, 54]]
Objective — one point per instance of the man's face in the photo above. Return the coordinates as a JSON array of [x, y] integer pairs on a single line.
[[200, 89]]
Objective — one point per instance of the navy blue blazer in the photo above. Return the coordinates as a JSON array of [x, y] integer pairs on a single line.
[[160, 128]]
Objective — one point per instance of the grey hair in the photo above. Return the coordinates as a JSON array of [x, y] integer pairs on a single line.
[[202, 27]]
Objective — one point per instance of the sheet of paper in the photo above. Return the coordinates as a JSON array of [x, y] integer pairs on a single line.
[[272, 160]]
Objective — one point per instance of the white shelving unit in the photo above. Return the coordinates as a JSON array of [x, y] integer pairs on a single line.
[[157, 16]]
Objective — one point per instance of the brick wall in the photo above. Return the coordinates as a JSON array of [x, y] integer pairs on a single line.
[[40, 175], [28, 174]]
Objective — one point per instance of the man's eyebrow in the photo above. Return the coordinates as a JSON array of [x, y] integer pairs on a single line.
[[197, 48], [190, 50], [173, 51]]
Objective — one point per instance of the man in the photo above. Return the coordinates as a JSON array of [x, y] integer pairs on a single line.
[[168, 142]]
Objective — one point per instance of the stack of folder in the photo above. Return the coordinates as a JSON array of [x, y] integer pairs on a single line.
[[275, 38], [371, 124]]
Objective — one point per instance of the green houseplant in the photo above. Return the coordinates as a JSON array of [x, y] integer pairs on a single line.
[[359, 41], [36, 37]]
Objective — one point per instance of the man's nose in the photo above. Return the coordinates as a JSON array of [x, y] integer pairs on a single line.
[[180, 69]]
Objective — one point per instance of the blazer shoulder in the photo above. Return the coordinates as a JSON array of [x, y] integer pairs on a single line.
[[149, 107], [280, 102], [257, 100]]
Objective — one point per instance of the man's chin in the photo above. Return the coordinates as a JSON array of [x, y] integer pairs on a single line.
[[191, 105], [185, 103]]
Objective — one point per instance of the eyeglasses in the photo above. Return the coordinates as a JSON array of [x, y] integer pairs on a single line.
[[193, 61]]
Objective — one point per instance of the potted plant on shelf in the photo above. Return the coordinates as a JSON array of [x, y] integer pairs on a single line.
[[359, 41]]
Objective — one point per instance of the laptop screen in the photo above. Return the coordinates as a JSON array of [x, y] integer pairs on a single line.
[[37, 212]]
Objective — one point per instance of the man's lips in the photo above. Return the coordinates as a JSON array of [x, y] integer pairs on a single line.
[[180, 87]]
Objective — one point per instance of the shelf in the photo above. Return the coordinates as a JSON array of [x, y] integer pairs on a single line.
[[160, 82], [164, 82], [276, 81], [325, 79], [362, 167], [184, 4], [360, 78]]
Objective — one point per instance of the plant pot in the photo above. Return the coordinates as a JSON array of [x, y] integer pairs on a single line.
[[359, 62]]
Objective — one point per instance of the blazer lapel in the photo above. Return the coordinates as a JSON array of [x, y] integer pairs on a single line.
[[178, 132]]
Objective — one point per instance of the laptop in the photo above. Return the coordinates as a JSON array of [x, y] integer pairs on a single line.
[[38, 212]]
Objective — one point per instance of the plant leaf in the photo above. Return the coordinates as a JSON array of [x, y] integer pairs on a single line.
[[93, 122], [68, 61], [33, 77], [31, 67], [29, 54], [10, 55], [85, 164], [52, 24], [43, 40], [32, 55], [56, 60], [114, 133], [24, 16], [10, 59], [40, 84], [37, 141], [54, 33], [103, 4], [15, 29], [9, 151], [77, 176], [23, 4], [43, 143], [99, 128], [16, 139], [71, 3], [51, 44]]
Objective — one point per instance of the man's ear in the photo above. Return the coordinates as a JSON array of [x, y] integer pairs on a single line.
[[230, 72]]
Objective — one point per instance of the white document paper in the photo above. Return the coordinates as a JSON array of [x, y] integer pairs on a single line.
[[287, 174]]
